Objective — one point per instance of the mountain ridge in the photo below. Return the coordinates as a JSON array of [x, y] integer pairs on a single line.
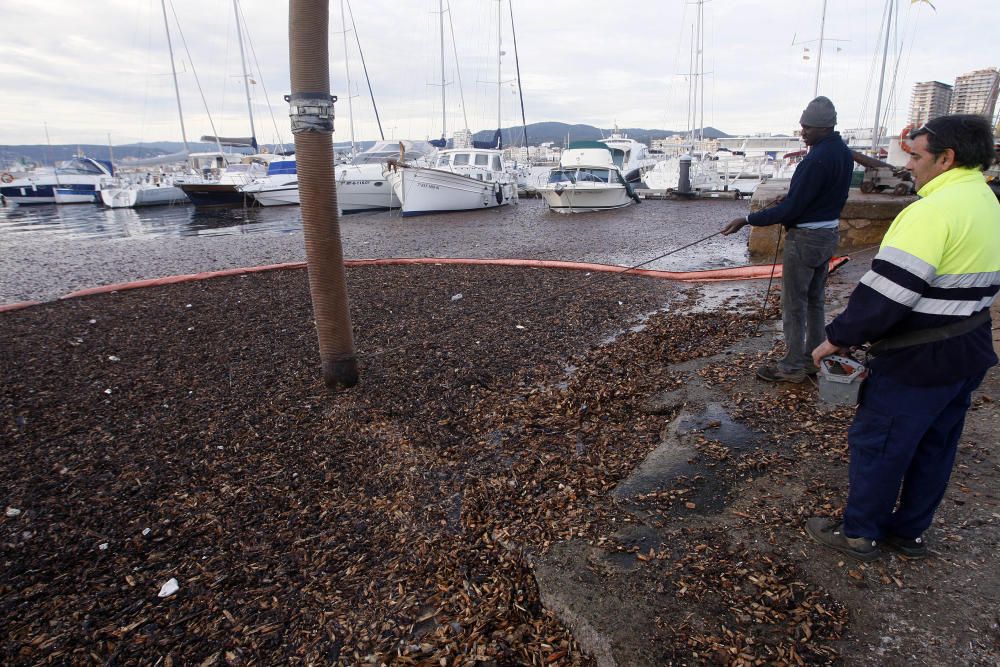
[[538, 133]]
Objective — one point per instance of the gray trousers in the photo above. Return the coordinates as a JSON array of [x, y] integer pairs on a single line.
[[803, 318]]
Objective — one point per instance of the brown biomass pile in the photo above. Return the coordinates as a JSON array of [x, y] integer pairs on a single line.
[[183, 433]]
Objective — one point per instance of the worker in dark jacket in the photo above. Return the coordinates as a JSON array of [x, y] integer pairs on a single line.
[[926, 300], [811, 214]]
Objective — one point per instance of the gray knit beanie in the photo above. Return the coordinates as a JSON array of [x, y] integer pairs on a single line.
[[819, 113]]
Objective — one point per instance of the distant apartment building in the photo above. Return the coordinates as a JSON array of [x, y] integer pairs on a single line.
[[930, 99], [462, 139], [976, 92]]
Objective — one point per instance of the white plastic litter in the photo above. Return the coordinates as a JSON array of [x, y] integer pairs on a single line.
[[518, 326], [146, 531], [114, 358], [169, 588], [457, 297], [103, 546], [13, 512]]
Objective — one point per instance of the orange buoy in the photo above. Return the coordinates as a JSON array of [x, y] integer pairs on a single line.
[[903, 136]]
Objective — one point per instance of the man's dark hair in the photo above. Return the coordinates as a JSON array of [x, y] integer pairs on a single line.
[[969, 135]]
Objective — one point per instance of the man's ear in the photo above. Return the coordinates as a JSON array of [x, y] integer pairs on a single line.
[[947, 158]]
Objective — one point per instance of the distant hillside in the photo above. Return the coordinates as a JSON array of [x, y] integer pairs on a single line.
[[538, 133], [557, 133]]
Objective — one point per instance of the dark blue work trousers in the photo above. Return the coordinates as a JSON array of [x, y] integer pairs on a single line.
[[903, 443]]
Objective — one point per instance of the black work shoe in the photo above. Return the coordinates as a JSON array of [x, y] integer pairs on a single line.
[[913, 549], [812, 369], [830, 534], [773, 373]]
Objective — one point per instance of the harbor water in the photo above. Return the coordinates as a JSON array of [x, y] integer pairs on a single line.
[[47, 250]]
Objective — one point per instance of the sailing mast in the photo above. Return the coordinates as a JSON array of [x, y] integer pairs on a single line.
[[889, 9], [499, 54], [701, 68], [444, 118], [173, 69], [246, 77], [819, 56], [520, 90], [347, 68]]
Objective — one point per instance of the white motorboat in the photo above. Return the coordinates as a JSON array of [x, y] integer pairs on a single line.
[[703, 175], [631, 157], [150, 190], [280, 187], [587, 179], [362, 184], [76, 181], [462, 179]]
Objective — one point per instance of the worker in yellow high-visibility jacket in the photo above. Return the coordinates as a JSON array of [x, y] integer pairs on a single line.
[[926, 299]]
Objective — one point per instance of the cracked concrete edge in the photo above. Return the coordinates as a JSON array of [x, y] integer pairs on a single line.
[[594, 642]]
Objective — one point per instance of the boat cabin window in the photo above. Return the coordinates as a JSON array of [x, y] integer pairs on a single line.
[[593, 175], [78, 167], [562, 176], [442, 161], [460, 159], [618, 156], [496, 163], [237, 168], [482, 160]]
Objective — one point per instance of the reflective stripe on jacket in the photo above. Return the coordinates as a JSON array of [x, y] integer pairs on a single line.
[[939, 263]]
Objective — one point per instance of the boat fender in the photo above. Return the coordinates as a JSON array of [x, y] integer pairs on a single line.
[[7, 178], [498, 193], [903, 136]]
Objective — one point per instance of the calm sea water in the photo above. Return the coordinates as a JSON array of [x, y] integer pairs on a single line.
[[91, 221], [49, 250]]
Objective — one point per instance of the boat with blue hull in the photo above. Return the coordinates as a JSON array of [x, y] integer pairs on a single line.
[[76, 181]]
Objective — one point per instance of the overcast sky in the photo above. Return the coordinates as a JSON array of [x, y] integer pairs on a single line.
[[94, 67]]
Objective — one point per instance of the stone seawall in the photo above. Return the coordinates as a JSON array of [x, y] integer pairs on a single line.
[[863, 222]]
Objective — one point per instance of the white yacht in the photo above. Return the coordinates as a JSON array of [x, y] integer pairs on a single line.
[[703, 175], [588, 178], [76, 181], [461, 179], [631, 157], [362, 184], [280, 187], [143, 190]]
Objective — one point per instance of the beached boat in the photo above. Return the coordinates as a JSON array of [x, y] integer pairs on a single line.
[[76, 181], [465, 179], [588, 178], [362, 184]]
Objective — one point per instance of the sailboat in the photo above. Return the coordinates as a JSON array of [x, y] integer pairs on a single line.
[[222, 184], [159, 188], [461, 179]]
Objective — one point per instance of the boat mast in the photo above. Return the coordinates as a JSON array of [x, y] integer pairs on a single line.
[[889, 8], [819, 57], [444, 119], [246, 77], [499, 54], [520, 91], [173, 69], [347, 68], [701, 67], [690, 109], [458, 70], [364, 67]]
